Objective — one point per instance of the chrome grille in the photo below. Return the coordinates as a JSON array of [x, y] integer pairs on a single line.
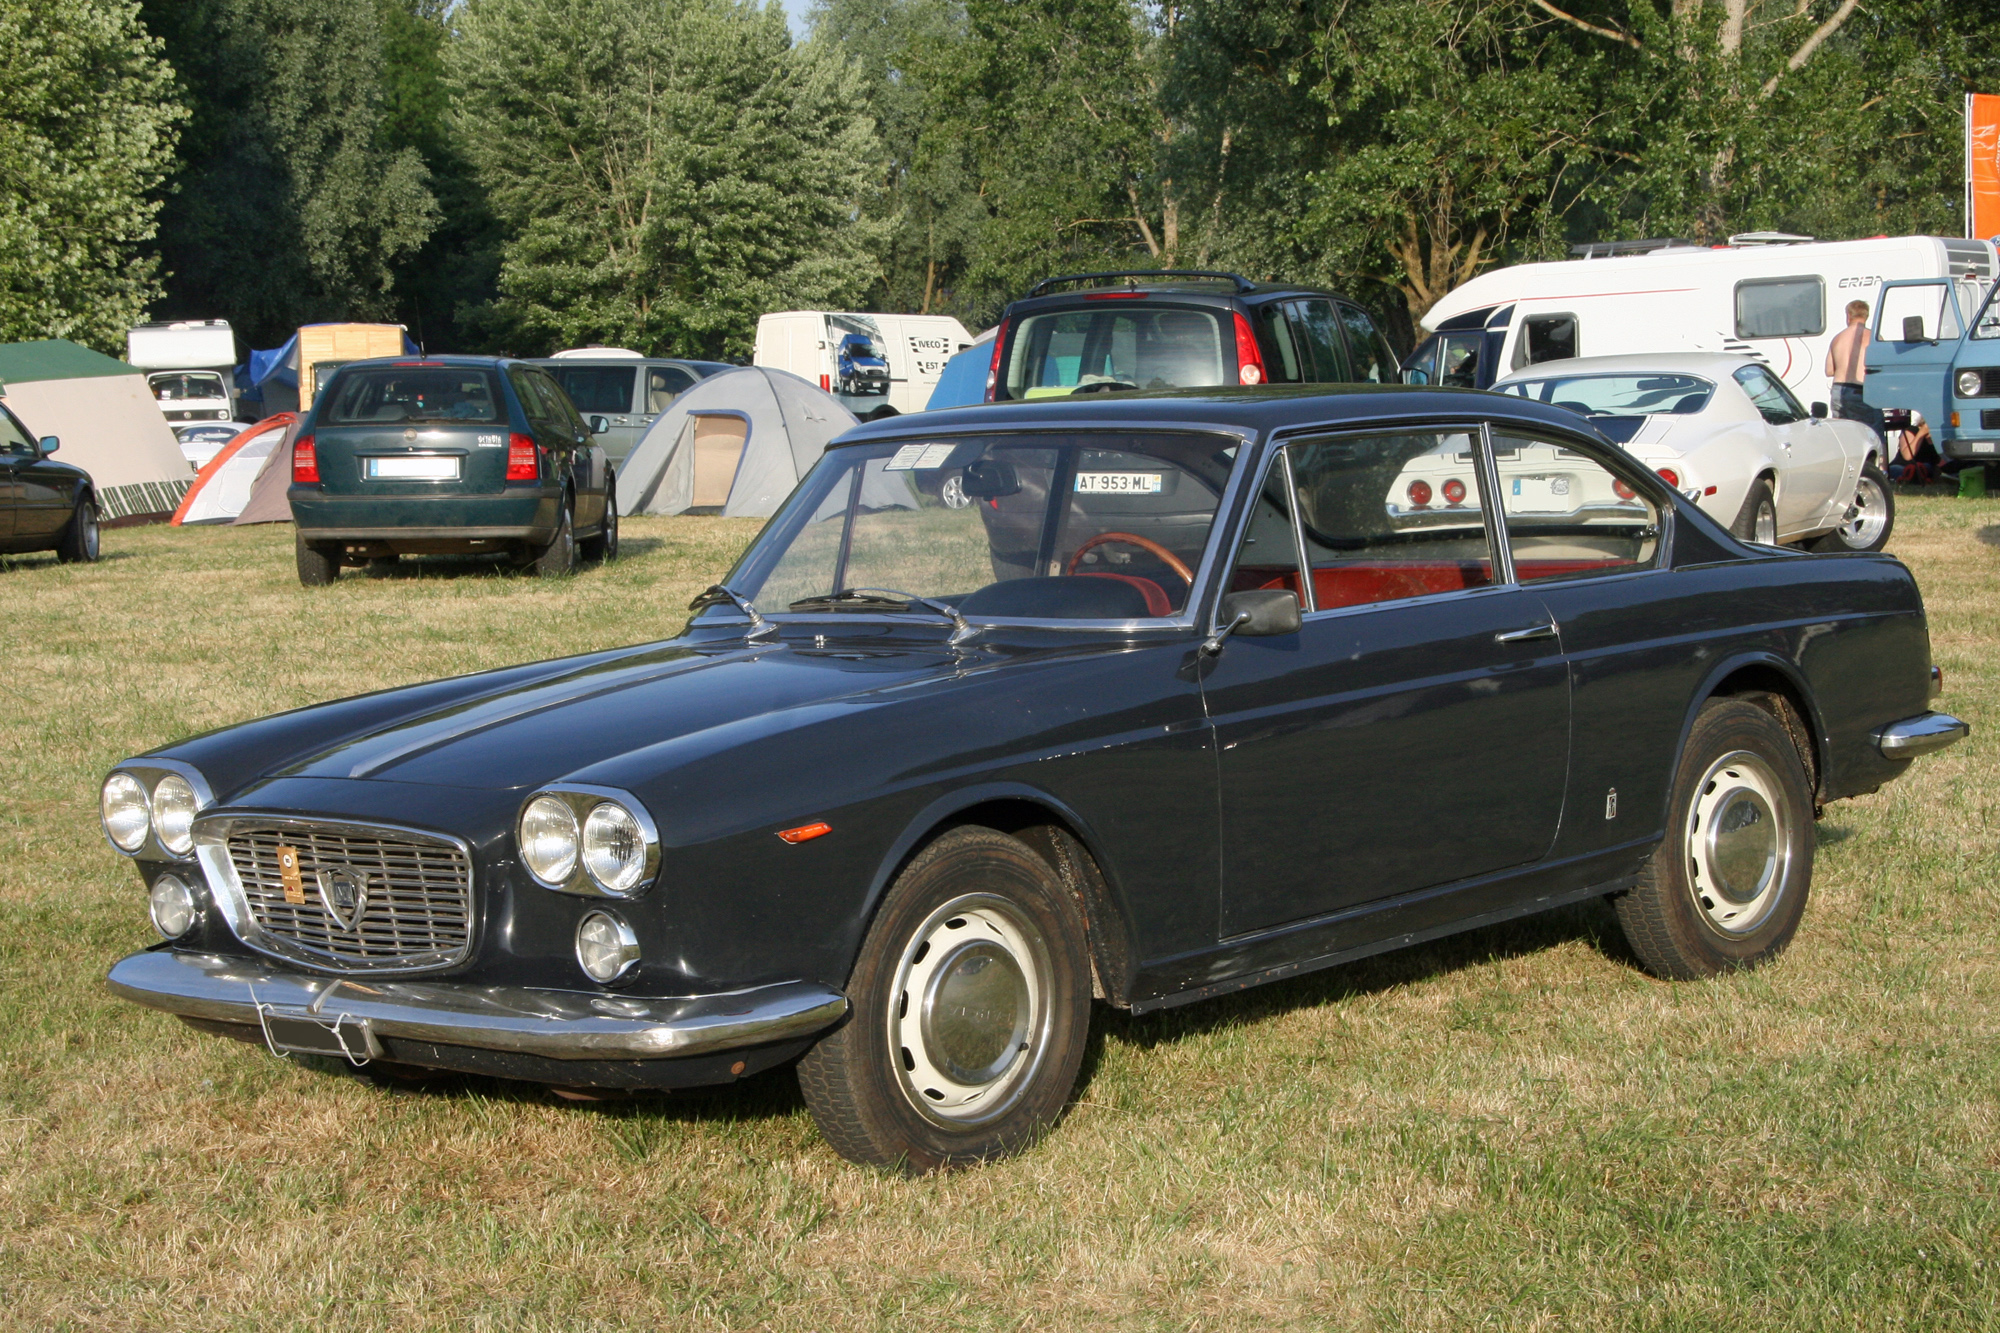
[[417, 910]]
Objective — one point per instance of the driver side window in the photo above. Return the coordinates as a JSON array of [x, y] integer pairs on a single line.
[[14, 441], [1774, 401]]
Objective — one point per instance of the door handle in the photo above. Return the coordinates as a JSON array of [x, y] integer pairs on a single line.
[[1547, 631]]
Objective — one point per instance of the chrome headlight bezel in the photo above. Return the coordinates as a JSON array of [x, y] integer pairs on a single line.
[[582, 799], [149, 774], [624, 945], [161, 897]]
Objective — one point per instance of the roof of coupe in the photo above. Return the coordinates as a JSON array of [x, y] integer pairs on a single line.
[[1714, 365]]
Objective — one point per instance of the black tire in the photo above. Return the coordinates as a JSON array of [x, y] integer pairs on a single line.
[[603, 548], [317, 566], [1870, 517], [79, 542], [900, 1083], [1759, 512], [1727, 886], [558, 558]]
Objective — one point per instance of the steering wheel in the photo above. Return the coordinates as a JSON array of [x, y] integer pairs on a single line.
[[1173, 561]]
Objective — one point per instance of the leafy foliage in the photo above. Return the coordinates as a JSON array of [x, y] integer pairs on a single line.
[[666, 173], [88, 120]]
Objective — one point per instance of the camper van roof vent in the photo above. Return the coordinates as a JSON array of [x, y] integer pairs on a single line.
[[1599, 249], [1769, 238]]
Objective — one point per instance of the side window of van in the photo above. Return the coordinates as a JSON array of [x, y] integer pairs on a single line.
[[1781, 307], [1546, 338]]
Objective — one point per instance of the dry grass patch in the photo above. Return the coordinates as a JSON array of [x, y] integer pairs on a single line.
[[1509, 1129]]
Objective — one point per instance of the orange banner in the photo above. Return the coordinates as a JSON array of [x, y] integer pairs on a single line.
[[1982, 165]]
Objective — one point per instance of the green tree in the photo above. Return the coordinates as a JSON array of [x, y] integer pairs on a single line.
[[88, 120], [290, 207], [666, 172]]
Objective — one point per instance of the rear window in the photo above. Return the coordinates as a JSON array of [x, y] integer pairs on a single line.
[[597, 388], [1130, 345], [389, 395]]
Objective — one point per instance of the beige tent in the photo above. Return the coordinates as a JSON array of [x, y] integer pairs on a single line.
[[109, 425], [735, 444]]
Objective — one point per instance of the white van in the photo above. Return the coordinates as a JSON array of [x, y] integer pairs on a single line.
[[808, 343], [190, 367], [1775, 297]]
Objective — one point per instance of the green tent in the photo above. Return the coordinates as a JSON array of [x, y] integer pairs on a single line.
[[104, 414]]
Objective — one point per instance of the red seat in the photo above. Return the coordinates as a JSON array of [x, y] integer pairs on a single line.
[[1362, 582]]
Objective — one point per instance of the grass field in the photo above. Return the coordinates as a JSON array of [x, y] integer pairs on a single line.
[[1511, 1129]]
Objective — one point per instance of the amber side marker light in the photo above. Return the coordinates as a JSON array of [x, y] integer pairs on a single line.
[[805, 832]]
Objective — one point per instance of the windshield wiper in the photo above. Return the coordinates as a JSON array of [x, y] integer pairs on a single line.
[[718, 593], [962, 628]]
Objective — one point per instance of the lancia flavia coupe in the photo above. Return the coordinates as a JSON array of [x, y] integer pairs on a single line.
[[1012, 709]]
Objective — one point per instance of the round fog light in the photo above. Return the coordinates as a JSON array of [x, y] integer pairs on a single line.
[[172, 906], [605, 947]]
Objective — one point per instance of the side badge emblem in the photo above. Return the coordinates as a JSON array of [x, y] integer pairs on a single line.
[[1611, 804], [345, 895]]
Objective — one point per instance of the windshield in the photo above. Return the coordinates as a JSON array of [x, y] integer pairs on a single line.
[[385, 395], [1988, 323], [1131, 346], [1618, 395], [1098, 525], [597, 388], [180, 386]]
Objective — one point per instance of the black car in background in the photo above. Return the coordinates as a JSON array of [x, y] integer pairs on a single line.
[[1146, 698], [628, 392], [1087, 333], [44, 505], [448, 454]]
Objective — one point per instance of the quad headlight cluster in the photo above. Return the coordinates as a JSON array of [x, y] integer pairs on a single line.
[[147, 802], [590, 840]]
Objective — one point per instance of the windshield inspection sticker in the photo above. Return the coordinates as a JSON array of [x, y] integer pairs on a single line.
[[1117, 483], [923, 457]]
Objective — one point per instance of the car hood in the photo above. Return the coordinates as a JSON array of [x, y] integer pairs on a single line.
[[552, 726]]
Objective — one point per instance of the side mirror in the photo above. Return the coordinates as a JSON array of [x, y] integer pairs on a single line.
[[599, 425], [50, 443], [1819, 411], [1260, 613], [1913, 329]]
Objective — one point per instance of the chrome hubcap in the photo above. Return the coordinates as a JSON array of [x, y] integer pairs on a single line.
[[1867, 514], [90, 533], [1739, 844], [1764, 528], [969, 1014]]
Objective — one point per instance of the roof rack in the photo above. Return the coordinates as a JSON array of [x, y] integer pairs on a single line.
[[1596, 249], [1243, 284], [1769, 238]]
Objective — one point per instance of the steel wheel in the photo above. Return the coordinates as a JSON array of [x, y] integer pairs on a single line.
[[1739, 843], [970, 1022], [1870, 516]]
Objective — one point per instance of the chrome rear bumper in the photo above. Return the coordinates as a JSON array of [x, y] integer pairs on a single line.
[[1920, 735], [564, 1025]]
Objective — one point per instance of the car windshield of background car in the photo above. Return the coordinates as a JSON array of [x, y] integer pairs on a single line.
[[392, 395], [1095, 526], [598, 388], [1988, 324], [1773, 400], [180, 387], [1618, 404], [1133, 346], [1458, 358]]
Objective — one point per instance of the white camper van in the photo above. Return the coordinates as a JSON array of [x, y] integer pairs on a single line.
[[189, 365], [1775, 297], [809, 343]]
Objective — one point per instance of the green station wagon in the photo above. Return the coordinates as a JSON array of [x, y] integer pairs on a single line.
[[453, 454]]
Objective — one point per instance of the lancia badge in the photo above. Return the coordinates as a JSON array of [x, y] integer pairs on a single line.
[[345, 894]]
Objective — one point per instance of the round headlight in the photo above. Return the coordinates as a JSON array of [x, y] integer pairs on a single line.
[[614, 848], [172, 906], [549, 839], [1969, 383], [174, 809], [127, 817], [605, 947]]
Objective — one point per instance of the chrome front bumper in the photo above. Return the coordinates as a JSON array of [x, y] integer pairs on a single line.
[[563, 1025], [1914, 736]]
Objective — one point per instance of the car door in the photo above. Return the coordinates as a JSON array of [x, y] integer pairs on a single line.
[[570, 437], [16, 452], [1815, 464], [1917, 333], [1415, 731], [35, 497]]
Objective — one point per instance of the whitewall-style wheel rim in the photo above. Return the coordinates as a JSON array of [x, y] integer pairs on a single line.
[[1739, 843], [1867, 515], [969, 1016]]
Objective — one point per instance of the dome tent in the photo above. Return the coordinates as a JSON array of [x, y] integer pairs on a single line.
[[107, 420], [736, 444], [224, 485]]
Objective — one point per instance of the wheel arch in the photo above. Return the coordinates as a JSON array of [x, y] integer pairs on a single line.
[[1061, 837], [1760, 677]]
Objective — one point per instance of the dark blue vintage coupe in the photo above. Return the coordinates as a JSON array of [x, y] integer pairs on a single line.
[[1119, 698]]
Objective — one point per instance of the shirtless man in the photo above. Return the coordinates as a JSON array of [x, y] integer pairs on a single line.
[[1847, 367]]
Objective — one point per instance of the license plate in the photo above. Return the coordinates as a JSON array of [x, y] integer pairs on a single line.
[[340, 1035], [1546, 495], [1118, 483], [415, 467]]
